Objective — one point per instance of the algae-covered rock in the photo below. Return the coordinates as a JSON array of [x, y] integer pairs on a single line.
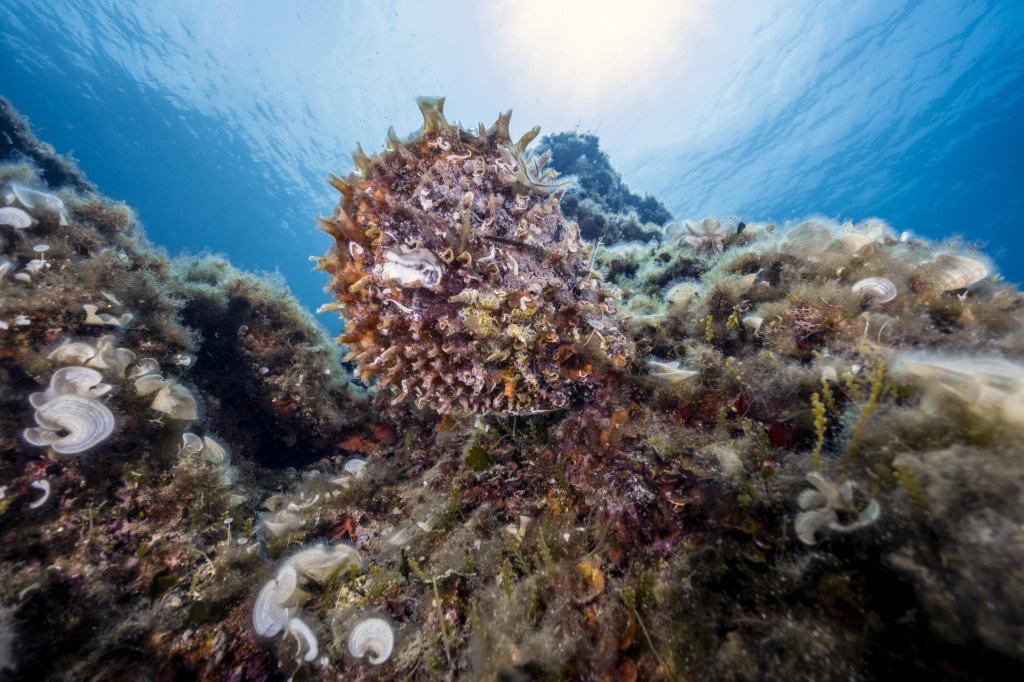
[[791, 474]]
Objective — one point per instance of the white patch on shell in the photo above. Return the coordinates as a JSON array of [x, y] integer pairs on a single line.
[[411, 266]]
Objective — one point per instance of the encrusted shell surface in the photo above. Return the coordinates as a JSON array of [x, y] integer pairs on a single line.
[[462, 285], [71, 424], [373, 637], [806, 240], [879, 289]]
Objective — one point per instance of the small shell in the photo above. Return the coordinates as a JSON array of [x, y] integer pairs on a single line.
[[144, 367], [270, 613], [109, 357], [73, 352], [753, 323], [214, 451], [104, 319], [356, 467], [35, 200], [950, 272], [302, 633], [852, 244], [320, 563], [590, 584], [878, 289], [282, 522], [372, 636], [229, 476], [806, 240], [877, 229], [191, 443], [672, 372], [150, 383], [75, 380], [85, 422], [43, 485], [176, 401], [672, 231], [415, 267], [15, 217], [682, 293]]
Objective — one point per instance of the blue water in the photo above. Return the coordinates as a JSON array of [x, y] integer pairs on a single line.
[[217, 124]]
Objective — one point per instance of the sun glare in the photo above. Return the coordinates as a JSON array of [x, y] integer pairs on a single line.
[[585, 52]]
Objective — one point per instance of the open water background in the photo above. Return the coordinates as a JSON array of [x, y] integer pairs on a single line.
[[218, 121]]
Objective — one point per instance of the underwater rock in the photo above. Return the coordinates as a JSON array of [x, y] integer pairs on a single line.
[[647, 534], [461, 283], [603, 206]]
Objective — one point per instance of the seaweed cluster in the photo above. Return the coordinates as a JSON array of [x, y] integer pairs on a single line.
[[805, 465], [461, 283]]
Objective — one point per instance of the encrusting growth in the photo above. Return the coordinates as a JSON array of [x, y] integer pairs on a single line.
[[461, 283]]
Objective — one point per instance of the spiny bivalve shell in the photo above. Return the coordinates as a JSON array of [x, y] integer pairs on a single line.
[[461, 283]]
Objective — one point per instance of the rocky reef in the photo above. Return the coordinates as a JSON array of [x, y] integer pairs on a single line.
[[750, 450], [603, 206]]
